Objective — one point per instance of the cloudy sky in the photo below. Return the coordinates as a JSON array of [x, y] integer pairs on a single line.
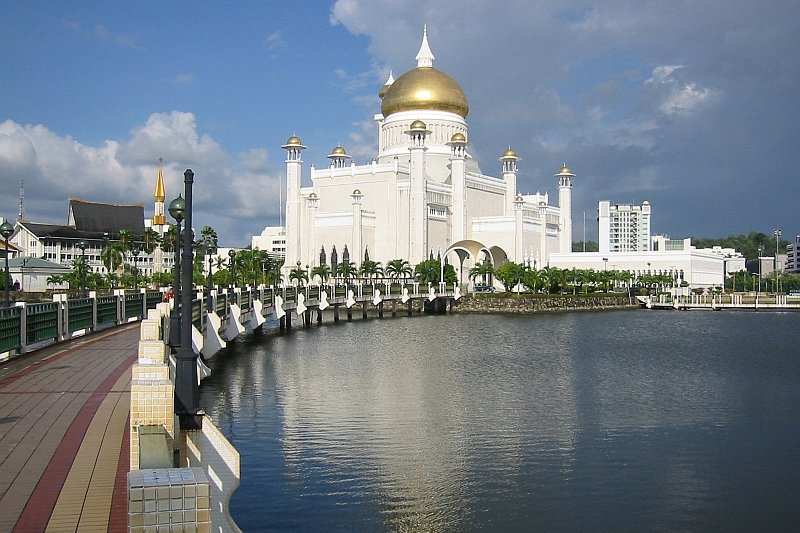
[[692, 105]]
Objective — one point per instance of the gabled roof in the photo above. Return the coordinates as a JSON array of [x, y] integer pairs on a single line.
[[105, 218], [34, 263]]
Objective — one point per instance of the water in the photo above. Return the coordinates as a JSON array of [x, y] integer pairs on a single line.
[[614, 421]]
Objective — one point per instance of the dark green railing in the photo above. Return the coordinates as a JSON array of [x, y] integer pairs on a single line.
[[246, 305], [106, 309], [9, 329], [153, 298], [197, 313], [41, 322], [134, 305], [80, 314]]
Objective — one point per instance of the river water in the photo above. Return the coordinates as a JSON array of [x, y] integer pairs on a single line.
[[609, 421]]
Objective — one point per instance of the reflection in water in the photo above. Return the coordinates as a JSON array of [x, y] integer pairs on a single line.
[[579, 421]]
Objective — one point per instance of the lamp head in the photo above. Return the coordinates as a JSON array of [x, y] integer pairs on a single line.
[[6, 229], [177, 208]]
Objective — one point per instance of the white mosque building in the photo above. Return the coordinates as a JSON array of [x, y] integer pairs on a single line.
[[423, 195]]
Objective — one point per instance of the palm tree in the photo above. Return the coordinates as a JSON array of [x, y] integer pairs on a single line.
[[299, 274], [398, 268], [111, 255], [346, 269], [322, 271], [534, 278], [370, 268], [483, 269], [149, 240], [54, 280]]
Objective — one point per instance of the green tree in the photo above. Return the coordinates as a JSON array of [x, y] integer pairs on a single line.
[[398, 268], [483, 270], [323, 272], [533, 279], [370, 269], [111, 255], [427, 271], [347, 270], [149, 240], [299, 275], [591, 246], [510, 274]]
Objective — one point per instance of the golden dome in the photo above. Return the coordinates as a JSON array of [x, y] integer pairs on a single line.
[[645, 203], [357, 192], [565, 171], [519, 198], [458, 138], [417, 125], [424, 88], [313, 196], [338, 151], [294, 139], [509, 153]]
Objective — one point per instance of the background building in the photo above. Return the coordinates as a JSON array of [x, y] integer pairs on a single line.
[[623, 227]]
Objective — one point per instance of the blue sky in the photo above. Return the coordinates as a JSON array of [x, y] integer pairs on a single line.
[[689, 105]]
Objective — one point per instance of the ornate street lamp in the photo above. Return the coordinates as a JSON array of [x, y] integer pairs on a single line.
[[232, 266], [177, 210], [82, 245], [6, 230], [135, 253]]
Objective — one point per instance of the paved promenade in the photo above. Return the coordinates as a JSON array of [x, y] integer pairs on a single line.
[[64, 435]]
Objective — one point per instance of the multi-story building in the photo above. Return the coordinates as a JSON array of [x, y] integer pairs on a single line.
[[272, 240], [94, 224], [792, 263], [623, 227]]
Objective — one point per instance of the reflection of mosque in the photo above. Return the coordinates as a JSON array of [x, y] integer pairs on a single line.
[[417, 429], [423, 194]]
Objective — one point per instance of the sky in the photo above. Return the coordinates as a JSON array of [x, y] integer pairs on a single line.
[[691, 105]]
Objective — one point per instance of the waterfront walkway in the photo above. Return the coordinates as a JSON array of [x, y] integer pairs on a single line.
[[64, 437]]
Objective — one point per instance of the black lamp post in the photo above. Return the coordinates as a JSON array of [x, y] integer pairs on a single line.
[[210, 246], [187, 389], [82, 245], [177, 210], [232, 266], [6, 230], [135, 253]]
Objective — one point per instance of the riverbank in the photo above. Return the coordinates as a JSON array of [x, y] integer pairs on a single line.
[[529, 303]]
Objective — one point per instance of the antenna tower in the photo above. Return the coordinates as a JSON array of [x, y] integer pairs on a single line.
[[21, 215]]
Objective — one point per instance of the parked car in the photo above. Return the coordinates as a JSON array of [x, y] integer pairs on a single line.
[[482, 287]]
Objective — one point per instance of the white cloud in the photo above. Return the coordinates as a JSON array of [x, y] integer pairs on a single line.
[[228, 196]]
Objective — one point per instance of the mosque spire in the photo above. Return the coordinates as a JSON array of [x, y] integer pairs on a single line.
[[425, 56], [160, 194]]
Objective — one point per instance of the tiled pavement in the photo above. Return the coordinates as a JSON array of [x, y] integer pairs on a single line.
[[64, 435]]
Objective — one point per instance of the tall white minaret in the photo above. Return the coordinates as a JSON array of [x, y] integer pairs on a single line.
[[458, 173], [565, 176], [418, 215], [509, 159], [294, 164]]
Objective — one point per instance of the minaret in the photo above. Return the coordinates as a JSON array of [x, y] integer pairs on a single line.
[[519, 207], [458, 173], [565, 176], [418, 215], [159, 220], [338, 157], [509, 159], [358, 226], [294, 164], [159, 196], [543, 235]]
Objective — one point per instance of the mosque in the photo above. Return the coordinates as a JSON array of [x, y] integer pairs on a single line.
[[423, 195]]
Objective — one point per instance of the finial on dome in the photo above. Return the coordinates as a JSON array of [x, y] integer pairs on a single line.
[[425, 56]]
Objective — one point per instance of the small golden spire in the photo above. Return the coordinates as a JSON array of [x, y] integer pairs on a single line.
[[160, 194]]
